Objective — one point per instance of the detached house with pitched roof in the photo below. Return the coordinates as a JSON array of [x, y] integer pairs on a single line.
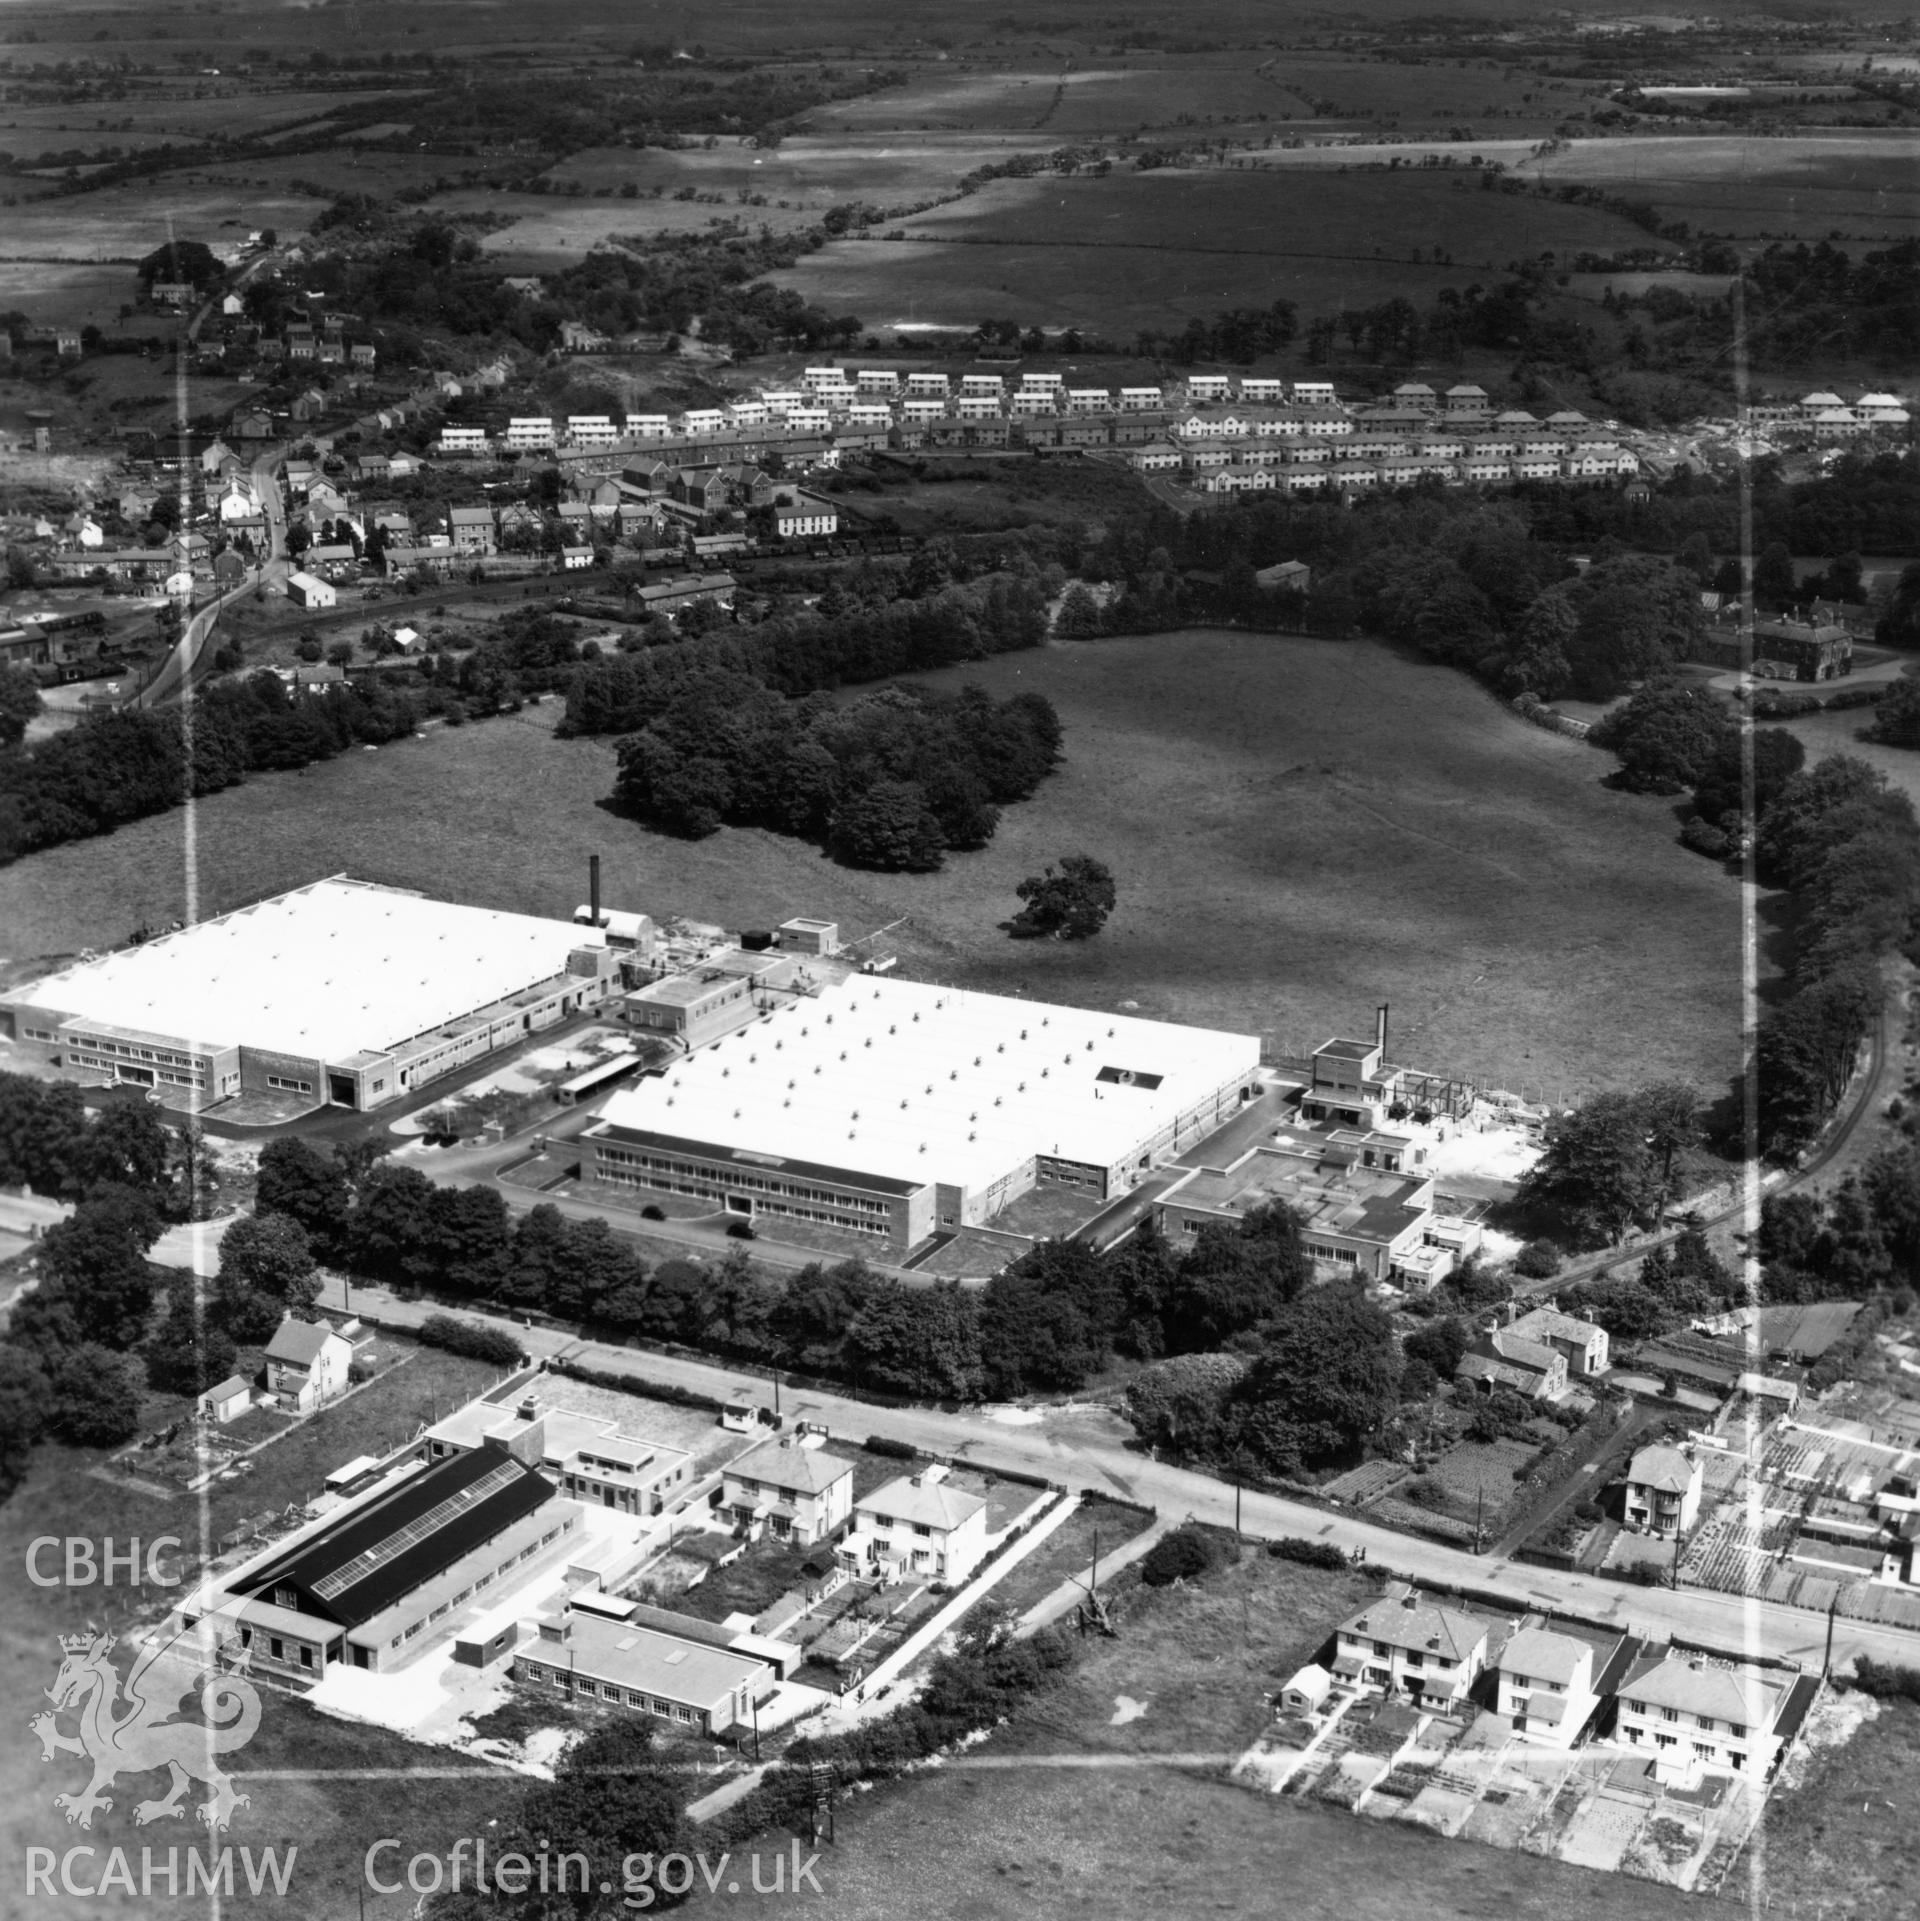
[[1407, 1644], [307, 1363], [1506, 1359], [1663, 1490], [1584, 1344]]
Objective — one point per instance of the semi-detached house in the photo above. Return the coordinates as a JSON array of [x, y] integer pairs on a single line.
[[1693, 1713], [1407, 1644], [917, 1528], [794, 1492]]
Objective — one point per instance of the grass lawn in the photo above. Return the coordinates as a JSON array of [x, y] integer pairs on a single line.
[[1068, 1552], [1846, 1840], [1299, 830], [62, 1495], [767, 1570], [1079, 1808], [342, 1799], [429, 1386]]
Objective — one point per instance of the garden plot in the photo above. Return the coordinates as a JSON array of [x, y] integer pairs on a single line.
[[1473, 1484]]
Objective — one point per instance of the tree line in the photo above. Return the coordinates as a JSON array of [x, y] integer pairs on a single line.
[[122, 765], [1845, 843], [1323, 1368]]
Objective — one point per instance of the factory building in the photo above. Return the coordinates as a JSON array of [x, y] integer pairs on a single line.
[[341, 993], [1364, 1199], [897, 1109], [379, 1582]]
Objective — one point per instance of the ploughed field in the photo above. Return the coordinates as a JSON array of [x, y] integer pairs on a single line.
[[1299, 829]]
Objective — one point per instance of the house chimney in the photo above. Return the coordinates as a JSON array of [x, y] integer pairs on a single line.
[[593, 889], [1380, 1028], [1410, 1600]]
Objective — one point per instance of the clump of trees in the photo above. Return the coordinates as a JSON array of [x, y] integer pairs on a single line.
[[1070, 902], [68, 1369], [1672, 737], [1609, 1165], [1183, 1555], [1673, 1284], [893, 780]]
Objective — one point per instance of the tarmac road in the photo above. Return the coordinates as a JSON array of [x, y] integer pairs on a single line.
[[1083, 1447]]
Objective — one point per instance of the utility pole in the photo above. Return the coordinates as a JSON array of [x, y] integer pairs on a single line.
[[1826, 1660], [1479, 1515]]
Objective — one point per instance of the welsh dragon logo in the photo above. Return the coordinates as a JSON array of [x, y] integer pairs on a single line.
[[133, 1732]]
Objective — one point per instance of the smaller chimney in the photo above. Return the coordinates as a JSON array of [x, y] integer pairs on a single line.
[[1380, 1028], [593, 889]]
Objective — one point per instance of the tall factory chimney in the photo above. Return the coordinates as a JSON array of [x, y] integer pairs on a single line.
[[1380, 1030], [593, 894]]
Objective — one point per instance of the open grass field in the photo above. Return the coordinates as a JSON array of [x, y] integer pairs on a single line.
[[1133, 250], [1858, 183], [1479, 93], [325, 1787], [1299, 830], [1104, 1797], [813, 172], [1066, 99], [548, 234], [126, 222], [230, 111], [1845, 1841], [83, 294]]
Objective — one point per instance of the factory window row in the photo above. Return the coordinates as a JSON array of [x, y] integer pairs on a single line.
[[106, 1062], [1321, 1252], [611, 1691], [289, 1086], [129, 1051], [483, 1580], [736, 1180], [872, 1219], [38, 1034]]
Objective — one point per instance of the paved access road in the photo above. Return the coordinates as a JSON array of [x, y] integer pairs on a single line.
[[1086, 1447], [178, 669]]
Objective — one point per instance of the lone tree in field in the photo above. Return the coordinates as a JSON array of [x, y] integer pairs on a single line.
[[1070, 903]]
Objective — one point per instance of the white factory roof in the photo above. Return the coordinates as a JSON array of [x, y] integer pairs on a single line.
[[915, 1082], [323, 973]]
